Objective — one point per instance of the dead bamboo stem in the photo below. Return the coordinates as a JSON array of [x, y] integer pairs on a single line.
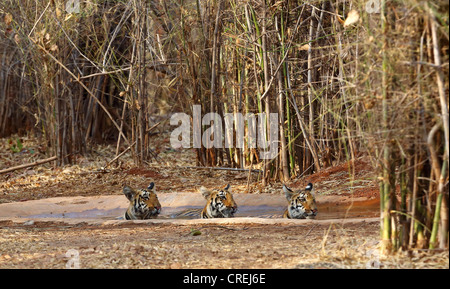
[[222, 169], [36, 163]]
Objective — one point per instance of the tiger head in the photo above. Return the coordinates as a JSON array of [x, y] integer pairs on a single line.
[[302, 203], [144, 203], [220, 203]]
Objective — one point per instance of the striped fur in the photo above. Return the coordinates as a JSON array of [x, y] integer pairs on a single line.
[[144, 203], [188, 214], [220, 203], [302, 203]]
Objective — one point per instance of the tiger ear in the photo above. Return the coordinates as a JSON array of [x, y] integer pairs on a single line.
[[309, 188], [287, 192], [227, 187], [205, 192], [129, 192], [152, 184]]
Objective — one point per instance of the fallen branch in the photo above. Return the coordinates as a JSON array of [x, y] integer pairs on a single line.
[[119, 155], [223, 169], [36, 163]]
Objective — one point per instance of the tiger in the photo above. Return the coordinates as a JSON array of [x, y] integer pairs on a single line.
[[302, 203], [220, 203], [144, 203]]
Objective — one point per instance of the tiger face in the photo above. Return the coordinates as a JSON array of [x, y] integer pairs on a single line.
[[302, 203], [144, 203], [220, 203]]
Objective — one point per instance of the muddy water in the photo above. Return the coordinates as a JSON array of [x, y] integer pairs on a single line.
[[365, 209], [88, 214], [113, 207]]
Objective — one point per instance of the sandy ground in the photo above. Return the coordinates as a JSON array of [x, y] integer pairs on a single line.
[[311, 244], [242, 243]]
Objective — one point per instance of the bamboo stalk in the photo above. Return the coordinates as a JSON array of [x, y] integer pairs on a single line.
[[440, 175], [283, 152], [403, 232], [265, 63], [386, 188], [435, 228], [86, 88], [310, 89], [440, 80]]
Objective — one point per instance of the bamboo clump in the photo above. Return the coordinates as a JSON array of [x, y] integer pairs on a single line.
[[346, 82]]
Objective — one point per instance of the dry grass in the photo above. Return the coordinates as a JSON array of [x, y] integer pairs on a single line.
[[229, 246]]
